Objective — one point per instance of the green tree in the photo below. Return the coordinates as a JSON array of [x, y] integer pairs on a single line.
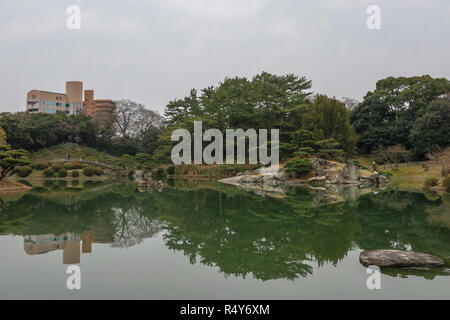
[[432, 128], [10, 159], [328, 118], [387, 115]]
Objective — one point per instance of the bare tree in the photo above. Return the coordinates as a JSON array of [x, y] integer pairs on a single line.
[[392, 155], [132, 119], [442, 157], [350, 103], [125, 116]]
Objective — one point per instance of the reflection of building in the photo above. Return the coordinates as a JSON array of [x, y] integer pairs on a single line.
[[445, 96], [69, 243], [70, 102]]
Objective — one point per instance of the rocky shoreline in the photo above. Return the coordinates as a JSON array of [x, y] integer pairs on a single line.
[[327, 173]]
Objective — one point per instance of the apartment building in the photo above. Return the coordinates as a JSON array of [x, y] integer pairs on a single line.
[[100, 111], [70, 102]]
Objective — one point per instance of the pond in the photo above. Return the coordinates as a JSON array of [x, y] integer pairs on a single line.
[[205, 240]]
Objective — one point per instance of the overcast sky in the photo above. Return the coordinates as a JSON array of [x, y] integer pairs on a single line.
[[155, 51]]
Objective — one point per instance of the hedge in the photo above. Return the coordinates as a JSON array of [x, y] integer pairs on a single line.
[[88, 171], [24, 171], [49, 172], [56, 167]]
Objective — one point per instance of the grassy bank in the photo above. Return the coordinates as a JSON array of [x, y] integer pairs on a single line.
[[414, 177], [211, 171], [77, 152]]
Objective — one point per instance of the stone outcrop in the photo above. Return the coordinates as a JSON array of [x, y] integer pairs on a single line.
[[349, 173], [399, 259]]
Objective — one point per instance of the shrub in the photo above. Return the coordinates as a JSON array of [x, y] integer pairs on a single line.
[[88, 171], [62, 173], [23, 171], [48, 173], [158, 173], [73, 165], [75, 174], [98, 171], [431, 182], [56, 167], [446, 184], [42, 165], [300, 167], [171, 170]]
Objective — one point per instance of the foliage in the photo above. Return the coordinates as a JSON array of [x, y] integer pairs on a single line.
[[431, 182], [74, 165], [143, 160], [98, 171], [126, 162], [62, 173], [432, 128], [446, 184], [48, 173], [24, 171], [137, 128], [392, 155], [10, 159], [75, 174], [57, 167], [171, 170], [88, 171], [328, 118], [387, 116], [300, 167], [158, 173], [41, 165], [442, 157]]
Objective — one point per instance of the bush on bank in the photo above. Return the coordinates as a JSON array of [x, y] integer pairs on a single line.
[[88, 171]]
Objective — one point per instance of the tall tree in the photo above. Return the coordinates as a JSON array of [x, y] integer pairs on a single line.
[[386, 115], [328, 118], [9, 158]]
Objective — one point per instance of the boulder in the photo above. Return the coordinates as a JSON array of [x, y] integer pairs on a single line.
[[318, 181], [399, 259], [350, 171], [383, 181]]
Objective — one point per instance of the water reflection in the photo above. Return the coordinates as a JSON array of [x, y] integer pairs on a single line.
[[243, 234]]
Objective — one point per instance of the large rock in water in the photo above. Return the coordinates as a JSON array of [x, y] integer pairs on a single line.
[[399, 259]]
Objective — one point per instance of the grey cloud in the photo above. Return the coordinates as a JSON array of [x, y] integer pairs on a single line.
[[155, 51]]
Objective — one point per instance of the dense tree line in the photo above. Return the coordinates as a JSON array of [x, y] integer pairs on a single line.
[[266, 101], [406, 112], [132, 129]]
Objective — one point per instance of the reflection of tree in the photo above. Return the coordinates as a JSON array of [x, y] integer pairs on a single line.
[[131, 227], [245, 234], [401, 220], [240, 233], [12, 221]]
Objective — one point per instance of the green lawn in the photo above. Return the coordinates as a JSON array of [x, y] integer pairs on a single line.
[[414, 177]]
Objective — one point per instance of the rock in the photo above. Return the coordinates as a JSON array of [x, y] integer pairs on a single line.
[[375, 176], [383, 181], [399, 259], [318, 181], [350, 171]]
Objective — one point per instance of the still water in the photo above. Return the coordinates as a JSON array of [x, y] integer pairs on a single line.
[[204, 240]]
